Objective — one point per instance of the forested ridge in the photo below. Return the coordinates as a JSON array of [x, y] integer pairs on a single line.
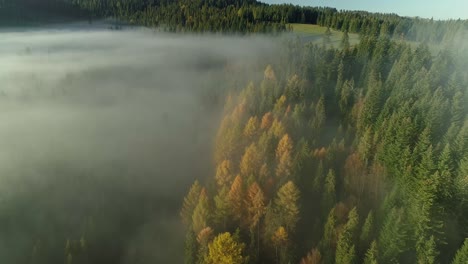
[[240, 16], [356, 155]]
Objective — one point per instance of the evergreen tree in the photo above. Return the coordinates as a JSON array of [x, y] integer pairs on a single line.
[[191, 248], [371, 254], [224, 172], [366, 232], [222, 208], [329, 194], [345, 250], [287, 206], [190, 202], [201, 214], [462, 254], [236, 198], [284, 158]]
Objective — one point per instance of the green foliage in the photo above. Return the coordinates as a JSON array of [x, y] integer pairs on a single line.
[[190, 252], [392, 238], [462, 254], [190, 202], [367, 230], [345, 250], [371, 254], [222, 208], [287, 206], [201, 214]]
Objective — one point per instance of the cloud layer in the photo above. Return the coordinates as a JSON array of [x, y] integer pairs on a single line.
[[94, 121]]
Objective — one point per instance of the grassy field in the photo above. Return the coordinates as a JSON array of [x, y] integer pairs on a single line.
[[315, 34]]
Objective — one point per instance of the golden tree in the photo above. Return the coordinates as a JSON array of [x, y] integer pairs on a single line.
[[284, 157], [251, 161], [224, 173], [224, 249], [255, 204], [251, 128], [236, 198], [267, 121]]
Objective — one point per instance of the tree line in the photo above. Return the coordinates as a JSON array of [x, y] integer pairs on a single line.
[[239, 16], [353, 155]]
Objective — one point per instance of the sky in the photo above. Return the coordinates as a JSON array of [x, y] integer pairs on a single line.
[[437, 9]]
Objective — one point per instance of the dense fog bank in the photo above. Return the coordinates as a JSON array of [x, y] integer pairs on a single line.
[[102, 133]]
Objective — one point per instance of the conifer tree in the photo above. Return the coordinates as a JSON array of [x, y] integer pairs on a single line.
[[222, 208], [287, 206], [190, 202], [224, 172], [329, 194], [256, 209], [367, 230], [236, 198], [345, 250], [461, 256], [251, 162], [284, 158], [371, 254], [201, 214]]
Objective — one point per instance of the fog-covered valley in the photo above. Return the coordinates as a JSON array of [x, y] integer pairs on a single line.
[[102, 132]]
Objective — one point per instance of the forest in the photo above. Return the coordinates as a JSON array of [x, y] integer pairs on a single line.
[[237, 16], [350, 154], [356, 155]]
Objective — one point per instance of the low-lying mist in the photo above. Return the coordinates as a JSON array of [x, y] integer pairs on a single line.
[[102, 132]]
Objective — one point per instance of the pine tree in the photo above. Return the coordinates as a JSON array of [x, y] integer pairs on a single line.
[[280, 240], [201, 213], [251, 128], [284, 158], [328, 242], [277, 129], [256, 209], [224, 173], [222, 208], [287, 207], [462, 254], [345, 250], [320, 115], [445, 169], [251, 162], [429, 253], [392, 238], [329, 194], [236, 198], [267, 121], [191, 249], [367, 230], [371, 254], [190, 202], [373, 102]]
